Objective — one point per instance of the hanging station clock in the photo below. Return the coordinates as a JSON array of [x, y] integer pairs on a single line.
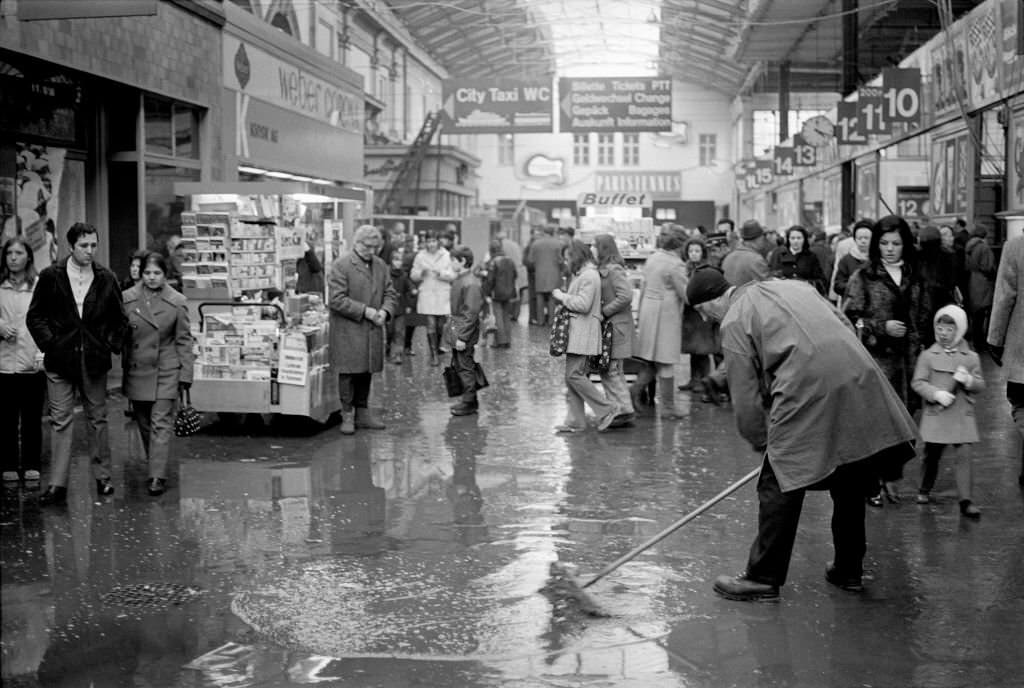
[[818, 130]]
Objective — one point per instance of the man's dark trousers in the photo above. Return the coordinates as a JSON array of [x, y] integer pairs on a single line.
[[465, 366], [779, 516], [354, 389]]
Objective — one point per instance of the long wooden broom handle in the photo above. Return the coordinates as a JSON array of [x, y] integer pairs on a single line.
[[632, 554]]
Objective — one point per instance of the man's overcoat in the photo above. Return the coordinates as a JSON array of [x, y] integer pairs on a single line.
[[357, 344]]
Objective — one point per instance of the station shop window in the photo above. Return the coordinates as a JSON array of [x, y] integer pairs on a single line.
[[171, 129], [581, 149], [631, 150], [665, 214], [606, 149], [708, 145]]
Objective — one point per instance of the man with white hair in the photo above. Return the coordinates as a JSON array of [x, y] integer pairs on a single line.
[[362, 299]]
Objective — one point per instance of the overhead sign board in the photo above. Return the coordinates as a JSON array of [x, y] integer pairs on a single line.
[[615, 104], [659, 185], [624, 200], [496, 106]]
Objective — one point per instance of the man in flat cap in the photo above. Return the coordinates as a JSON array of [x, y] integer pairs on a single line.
[[810, 400]]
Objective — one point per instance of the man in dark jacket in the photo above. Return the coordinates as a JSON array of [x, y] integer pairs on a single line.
[[746, 262], [467, 303], [500, 288], [362, 298], [813, 403], [545, 258], [77, 320]]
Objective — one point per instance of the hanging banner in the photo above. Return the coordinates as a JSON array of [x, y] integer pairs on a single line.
[[983, 53], [1015, 162], [871, 111], [847, 125], [806, 155], [901, 95], [1012, 50], [784, 159], [479, 106], [615, 104]]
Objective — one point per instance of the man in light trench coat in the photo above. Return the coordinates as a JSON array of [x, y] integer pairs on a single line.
[[810, 400], [362, 299], [1006, 332]]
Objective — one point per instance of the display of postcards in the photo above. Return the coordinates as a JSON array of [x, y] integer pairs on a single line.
[[188, 244], [217, 282], [257, 374], [187, 218], [219, 269], [188, 231], [245, 314], [213, 219]]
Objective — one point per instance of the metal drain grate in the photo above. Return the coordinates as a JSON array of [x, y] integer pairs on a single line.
[[151, 595]]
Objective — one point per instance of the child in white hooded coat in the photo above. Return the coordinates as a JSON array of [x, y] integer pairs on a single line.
[[947, 377]]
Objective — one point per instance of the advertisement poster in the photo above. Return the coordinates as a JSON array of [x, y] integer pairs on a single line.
[[37, 200], [1015, 169], [983, 47], [949, 72], [866, 183], [950, 159], [1013, 61], [831, 191]]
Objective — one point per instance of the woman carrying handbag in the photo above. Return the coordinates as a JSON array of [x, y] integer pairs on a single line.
[[157, 362]]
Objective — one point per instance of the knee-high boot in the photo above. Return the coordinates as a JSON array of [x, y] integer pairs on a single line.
[[667, 398], [637, 389]]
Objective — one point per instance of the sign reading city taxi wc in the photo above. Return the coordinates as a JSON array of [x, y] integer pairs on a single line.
[[615, 104], [476, 106]]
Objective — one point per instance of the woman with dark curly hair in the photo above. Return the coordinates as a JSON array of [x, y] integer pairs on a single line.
[[887, 303], [794, 259]]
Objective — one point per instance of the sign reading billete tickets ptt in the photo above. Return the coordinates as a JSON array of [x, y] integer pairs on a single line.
[[496, 106], [615, 104]]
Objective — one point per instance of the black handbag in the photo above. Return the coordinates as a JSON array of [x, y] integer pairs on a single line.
[[599, 363], [453, 383], [187, 421], [559, 341]]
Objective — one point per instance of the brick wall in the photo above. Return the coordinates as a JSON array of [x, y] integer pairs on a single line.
[[175, 53]]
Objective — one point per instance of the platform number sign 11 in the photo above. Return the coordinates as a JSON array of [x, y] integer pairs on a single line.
[[784, 159], [804, 154], [871, 111], [901, 95], [847, 125]]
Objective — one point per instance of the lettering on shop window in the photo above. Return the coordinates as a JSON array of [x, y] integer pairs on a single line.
[[262, 131]]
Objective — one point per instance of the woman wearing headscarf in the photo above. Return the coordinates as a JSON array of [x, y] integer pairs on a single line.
[[889, 308], [583, 301], [795, 260], [854, 260], [617, 308], [660, 320]]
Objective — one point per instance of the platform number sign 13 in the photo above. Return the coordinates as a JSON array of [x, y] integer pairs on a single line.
[[871, 111], [901, 95], [804, 154], [847, 125], [784, 159]]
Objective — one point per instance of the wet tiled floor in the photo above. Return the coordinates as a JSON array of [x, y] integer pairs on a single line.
[[413, 556]]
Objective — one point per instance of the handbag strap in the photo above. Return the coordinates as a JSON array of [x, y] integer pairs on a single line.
[[185, 396]]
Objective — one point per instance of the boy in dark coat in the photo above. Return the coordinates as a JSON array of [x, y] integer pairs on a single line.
[[500, 287], [467, 304], [405, 289]]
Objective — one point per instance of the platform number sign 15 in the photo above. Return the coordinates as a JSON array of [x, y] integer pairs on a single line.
[[847, 125], [804, 154], [784, 159], [871, 111], [901, 95]]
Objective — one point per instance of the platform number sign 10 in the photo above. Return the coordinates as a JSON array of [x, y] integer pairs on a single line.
[[804, 154], [784, 159], [901, 95], [847, 125]]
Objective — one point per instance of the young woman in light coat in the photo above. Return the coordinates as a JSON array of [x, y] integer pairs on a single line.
[[432, 271], [660, 320], [157, 362], [583, 301], [617, 308]]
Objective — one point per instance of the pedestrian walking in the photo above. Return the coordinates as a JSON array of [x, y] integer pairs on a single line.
[[432, 272], [885, 301], [1006, 333], [77, 320], [544, 257], [583, 301], [405, 295], [794, 260], [947, 377], [361, 299], [22, 381], [158, 362], [855, 258], [500, 289], [660, 320], [514, 252], [814, 405], [980, 265], [467, 305], [134, 270], [617, 310]]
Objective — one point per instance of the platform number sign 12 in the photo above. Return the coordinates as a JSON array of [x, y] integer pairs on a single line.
[[901, 95], [847, 125], [871, 111], [805, 155], [784, 159]]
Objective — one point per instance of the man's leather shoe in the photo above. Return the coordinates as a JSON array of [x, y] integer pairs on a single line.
[[743, 589], [104, 487], [461, 409], [623, 420], [841, 580], [55, 495], [156, 487], [348, 422]]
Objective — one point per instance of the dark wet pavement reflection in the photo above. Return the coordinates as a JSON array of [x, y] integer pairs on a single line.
[[413, 557]]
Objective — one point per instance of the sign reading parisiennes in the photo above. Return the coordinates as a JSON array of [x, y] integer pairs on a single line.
[[615, 104]]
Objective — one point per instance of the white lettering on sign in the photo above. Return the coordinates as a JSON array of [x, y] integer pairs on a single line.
[[659, 182], [619, 199]]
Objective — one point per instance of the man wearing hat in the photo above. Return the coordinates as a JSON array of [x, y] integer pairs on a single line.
[[795, 369], [746, 262]]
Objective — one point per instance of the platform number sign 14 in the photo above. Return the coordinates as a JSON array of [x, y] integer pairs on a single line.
[[784, 159], [847, 125], [901, 95]]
